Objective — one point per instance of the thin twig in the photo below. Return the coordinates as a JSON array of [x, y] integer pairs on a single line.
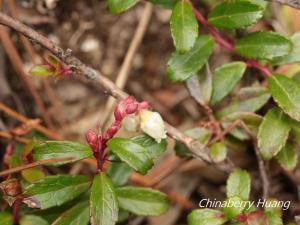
[[262, 171], [34, 164], [7, 135], [199, 150], [127, 63], [23, 119]]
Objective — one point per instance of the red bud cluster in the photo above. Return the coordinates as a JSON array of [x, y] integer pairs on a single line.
[[98, 142]]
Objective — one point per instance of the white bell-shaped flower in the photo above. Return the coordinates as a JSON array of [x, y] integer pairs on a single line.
[[152, 124], [131, 123]]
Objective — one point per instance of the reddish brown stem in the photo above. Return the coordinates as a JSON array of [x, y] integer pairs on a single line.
[[227, 44], [252, 63], [16, 210]]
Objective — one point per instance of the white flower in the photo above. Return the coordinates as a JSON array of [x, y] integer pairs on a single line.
[[152, 124], [131, 123]]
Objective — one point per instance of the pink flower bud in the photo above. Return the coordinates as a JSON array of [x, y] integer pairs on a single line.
[[126, 106], [92, 138]]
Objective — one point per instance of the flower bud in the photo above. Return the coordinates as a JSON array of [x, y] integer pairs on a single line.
[[152, 124], [131, 123], [125, 107], [92, 138]]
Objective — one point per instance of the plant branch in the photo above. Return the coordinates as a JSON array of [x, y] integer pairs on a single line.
[[23, 119], [199, 150]]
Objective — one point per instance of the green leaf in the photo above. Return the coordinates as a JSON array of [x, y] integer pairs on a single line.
[[273, 133], [218, 152], [6, 218], [288, 157], [250, 120], [61, 149], [200, 86], [238, 184], [40, 70], [103, 201], [249, 99], [182, 66], [184, 26], [76, 215], [164, 3], [206, 217], [273, 212], [199, 133], [32, 220], [294, 55], [142, 201], [233, 207], [263, 45], [117, 6], [55, 190], [135, 155], [235, 14], [119, 173], [286, 93], [225, 78], [154, 148]]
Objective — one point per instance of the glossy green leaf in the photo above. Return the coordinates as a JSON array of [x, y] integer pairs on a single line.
[[218, 152], [235, 14], [225, 78], [273, 133], [286, 93], [142, 201], [182, 66], [164, 3], [233, 207], [184, 26], [76, 215], [135, 155], [249, 99], [32, 220], [250, 120], [117, 6], [200, 86], [61, 149], [55, 190], [6, 218], [103, 201], [154, 148], [119, 173], [263, 45], [238, 184], [206, 217], [294, 55], [288, 157]]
